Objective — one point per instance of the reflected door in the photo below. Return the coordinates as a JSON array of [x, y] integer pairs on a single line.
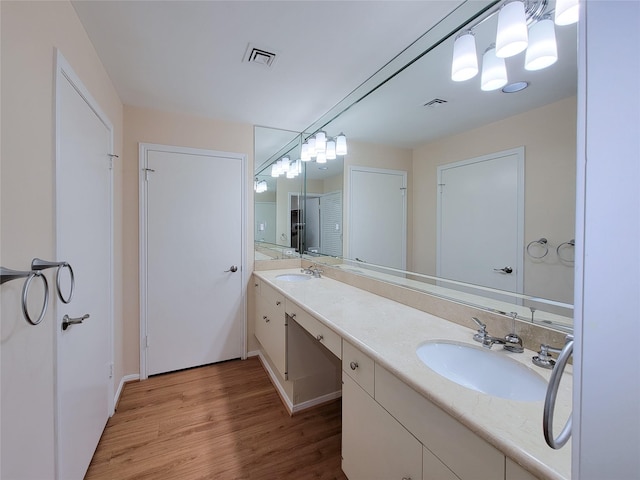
[[481, 221], [377, 220]]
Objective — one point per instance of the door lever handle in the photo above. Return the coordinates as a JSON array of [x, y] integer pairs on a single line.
[[503, 270], [67, 321], [232, 269]]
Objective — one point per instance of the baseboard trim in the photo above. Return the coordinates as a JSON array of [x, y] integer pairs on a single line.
[[314, 402], [274, 380], [127, 378]]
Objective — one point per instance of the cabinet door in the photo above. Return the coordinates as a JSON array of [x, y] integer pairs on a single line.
[[270, 328], [374, 445]]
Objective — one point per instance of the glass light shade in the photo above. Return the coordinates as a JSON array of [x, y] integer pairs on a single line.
[[341, 144], [465, 59], [297, 166], [284, 165], [304, 152], [291, 173], [322, 157], [567, 12], [321, 141], [312, 147], [512, 36], [261, 186], [494, 71], [542, 50], [331, 149], [275, 170]]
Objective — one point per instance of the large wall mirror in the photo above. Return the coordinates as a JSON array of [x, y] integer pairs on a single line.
[[465, 193]]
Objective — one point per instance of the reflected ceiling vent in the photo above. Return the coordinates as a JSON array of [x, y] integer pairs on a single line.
[[259, 56], [436, 102]]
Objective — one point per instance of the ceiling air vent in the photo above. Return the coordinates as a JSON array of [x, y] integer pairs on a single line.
[[259, 56], [436, 102]]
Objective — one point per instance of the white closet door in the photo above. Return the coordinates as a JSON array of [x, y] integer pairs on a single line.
[[194, 301]]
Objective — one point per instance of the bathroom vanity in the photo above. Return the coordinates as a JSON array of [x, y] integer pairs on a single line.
[[400, 418]]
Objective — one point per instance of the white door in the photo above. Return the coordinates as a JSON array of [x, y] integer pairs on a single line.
[[377, 220], [481, 221], [193, 251], [84, 390]]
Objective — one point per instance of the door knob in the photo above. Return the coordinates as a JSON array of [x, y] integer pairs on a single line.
[[67, 321], [232, 268], [503, 270]]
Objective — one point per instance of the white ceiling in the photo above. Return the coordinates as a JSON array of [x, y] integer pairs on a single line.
[[187, 56]]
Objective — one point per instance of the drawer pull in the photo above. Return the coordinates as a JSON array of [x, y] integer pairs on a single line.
[[255, 285], [353, 365], [278, 303], [319, 337], [266, 319]]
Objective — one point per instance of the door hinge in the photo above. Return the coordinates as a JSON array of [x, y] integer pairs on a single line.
[[146, 173], [146, 341], [111, 370], [111, 157]]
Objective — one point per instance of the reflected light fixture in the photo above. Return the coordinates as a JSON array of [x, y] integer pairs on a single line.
[[312, 147], [341, 144], [512, 36], [260, 186], [465, 58], [321, 157], [304, 152], [321, 142], [331, 149], [543, 50], [494, 71], [567, 12]]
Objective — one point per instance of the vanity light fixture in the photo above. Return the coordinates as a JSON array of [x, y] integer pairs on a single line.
[[305, 156], [512, 36], [311, 141], [567, 12], [321, 142], [465, 59], [494, 71], [260, 186], [341, 144], [321, 157], [543, 50], [331, 149]]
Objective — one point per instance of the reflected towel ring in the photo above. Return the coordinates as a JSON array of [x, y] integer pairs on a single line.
[[542, 243], [7, 275], [564, 246], [39, 264]]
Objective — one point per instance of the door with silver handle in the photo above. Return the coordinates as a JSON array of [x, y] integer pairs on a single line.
[[232, 269], [552, 395], [67, 321]]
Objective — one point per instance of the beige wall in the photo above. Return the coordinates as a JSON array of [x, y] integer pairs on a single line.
[[30, 31], [549, 137], [151, 126]]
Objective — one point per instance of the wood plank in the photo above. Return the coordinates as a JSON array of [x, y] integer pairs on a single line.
[[222, 421]]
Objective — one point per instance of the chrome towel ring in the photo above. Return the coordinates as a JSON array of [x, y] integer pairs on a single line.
[[564, 246], [6, 275], [541, 244], [39, 264]]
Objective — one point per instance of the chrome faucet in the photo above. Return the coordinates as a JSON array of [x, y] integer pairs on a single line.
[[510, 342], [544, 359], [312, 270]]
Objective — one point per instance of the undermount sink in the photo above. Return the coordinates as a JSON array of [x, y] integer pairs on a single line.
[[293, 277], [483, 370]]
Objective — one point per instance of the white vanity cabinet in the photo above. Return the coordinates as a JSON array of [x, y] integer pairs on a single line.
[[318, 330], [374, 444], [270, 324]]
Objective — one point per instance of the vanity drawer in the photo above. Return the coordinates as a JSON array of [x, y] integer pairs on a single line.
[[272, 298], [317, 329], [358, 366]]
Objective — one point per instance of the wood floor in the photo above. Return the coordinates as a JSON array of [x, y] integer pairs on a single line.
[[222, 421]]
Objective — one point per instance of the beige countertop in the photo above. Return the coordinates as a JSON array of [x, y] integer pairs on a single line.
[[390, 332]]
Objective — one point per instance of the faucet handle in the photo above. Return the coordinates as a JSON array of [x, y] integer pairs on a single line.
[[543, 359], [481, 334]]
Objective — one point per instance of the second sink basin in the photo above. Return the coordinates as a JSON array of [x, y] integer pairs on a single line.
[[293, 277], [483, 370]]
